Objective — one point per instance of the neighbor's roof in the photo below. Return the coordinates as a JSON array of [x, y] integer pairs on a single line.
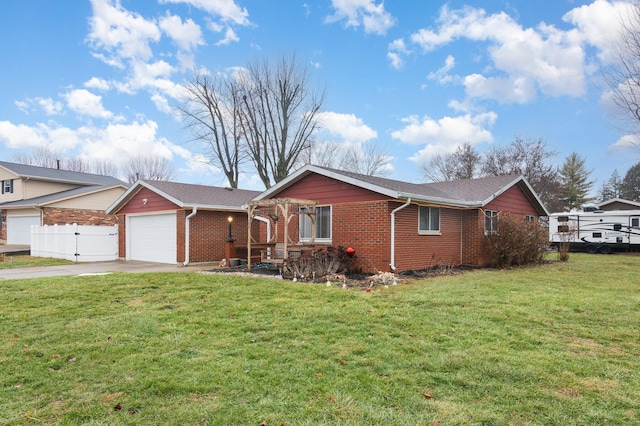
[[57, 175], [187, 195], [618, 200], [44, 200], [467, 193]]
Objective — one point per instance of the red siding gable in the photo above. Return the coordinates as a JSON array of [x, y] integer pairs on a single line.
[[512, 200], [326, 190], [154, 203]]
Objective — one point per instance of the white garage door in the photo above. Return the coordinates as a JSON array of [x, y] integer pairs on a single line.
[[152, 237], [19, 228]]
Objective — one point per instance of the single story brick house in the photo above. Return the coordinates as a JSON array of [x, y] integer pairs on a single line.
[[170, 222], [32, 195], [395, 225]]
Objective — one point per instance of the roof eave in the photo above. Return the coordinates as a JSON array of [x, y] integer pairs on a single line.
[[308, 169], [438, 200]]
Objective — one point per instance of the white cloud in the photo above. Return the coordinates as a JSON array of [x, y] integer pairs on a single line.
[[346, 126], [120, 33], [373, 17], [20, 135], [397, 49], [524, 60], [186, 34], [442, 75], [513, 89], [97, 83], [625, 144], [116, 142], [229, 37], [446, 134], [161, 103], [227, 10], [596, 23], [86, 103]]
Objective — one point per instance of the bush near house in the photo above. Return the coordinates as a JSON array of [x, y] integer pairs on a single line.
[[321, 263], [517, 242]]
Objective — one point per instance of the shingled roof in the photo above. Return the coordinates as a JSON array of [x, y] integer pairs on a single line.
[[460, 193], [186, 195], [57, 175]]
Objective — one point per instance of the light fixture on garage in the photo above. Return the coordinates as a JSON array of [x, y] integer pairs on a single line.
[[230, 237]]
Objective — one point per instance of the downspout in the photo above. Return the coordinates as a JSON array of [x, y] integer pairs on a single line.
[[187, 234], [393, 233], [268, 222]]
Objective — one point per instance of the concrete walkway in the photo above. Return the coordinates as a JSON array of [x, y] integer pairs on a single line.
[[90, 268]]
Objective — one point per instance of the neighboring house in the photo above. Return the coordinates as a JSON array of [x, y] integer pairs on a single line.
[[170, 222], [618, 204], [42, 196], [398, 225]]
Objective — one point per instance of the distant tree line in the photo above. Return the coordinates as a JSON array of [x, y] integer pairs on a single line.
[[559, 188], [150, 167]]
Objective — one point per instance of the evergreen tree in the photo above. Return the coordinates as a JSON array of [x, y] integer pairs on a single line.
[[631, 183], [611, 188], [575, 187]]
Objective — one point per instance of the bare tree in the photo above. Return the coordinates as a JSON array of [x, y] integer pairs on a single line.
[[41, 157], [367, 158], [104, 168], [623, 75], [461, 164], [212, 113], [529, 158], [279, 115], [148, 167]]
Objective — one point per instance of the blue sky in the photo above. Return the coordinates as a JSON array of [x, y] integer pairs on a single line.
[[98, 79]]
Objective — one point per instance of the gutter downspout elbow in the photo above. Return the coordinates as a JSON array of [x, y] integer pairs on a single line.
[[392, 264], [187, 233]]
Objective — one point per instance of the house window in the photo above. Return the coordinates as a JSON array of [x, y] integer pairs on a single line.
[[323, 225], [530, 218], [428, 220], [7, 186], [490, 222], [635, 222]]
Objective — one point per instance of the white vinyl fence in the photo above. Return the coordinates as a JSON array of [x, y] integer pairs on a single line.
[[79, 243]]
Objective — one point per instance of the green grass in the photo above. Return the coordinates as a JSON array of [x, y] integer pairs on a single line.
[[25, 261], [556, 344]]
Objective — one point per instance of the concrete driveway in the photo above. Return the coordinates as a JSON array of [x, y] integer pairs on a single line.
[[99, 268]]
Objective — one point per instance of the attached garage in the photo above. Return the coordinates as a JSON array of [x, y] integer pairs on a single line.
[[19, 228], [180, 223], [152, 237]]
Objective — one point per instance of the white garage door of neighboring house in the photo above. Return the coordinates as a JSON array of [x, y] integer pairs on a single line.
[[152, 237], [19, 228]]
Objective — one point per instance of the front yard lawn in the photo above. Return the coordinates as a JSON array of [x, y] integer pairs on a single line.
[[555, 344], [24, 261]]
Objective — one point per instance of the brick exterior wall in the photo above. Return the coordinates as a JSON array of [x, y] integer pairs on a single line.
[[209, 232], [3, 226], [61, 216]]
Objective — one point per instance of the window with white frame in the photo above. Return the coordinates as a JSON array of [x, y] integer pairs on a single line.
[[323, 225], [490, 222], [7, 186], [428, 220]]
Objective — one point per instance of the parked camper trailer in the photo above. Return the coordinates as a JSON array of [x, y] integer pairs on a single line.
[[596, 231]]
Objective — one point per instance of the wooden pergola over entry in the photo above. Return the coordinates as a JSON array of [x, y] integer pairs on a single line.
[[276, 212]]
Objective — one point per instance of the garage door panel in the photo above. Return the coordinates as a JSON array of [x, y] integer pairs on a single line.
[[19, 228], [152, 238]]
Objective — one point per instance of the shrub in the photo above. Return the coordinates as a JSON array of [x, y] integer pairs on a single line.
[[320, 263], [517, 242]]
